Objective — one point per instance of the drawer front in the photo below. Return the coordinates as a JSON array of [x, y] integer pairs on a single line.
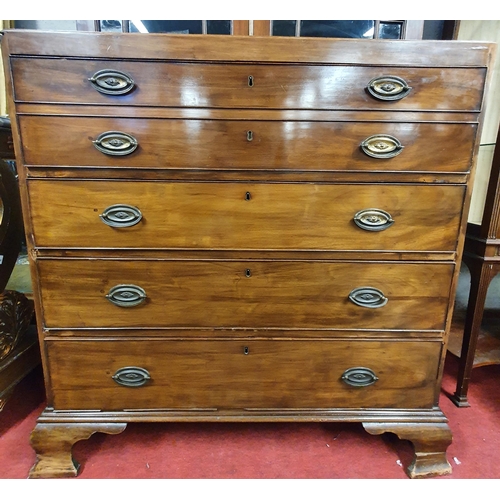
[[250, 216], [243, 375], [256, 145], [218, 85], [235, 294]]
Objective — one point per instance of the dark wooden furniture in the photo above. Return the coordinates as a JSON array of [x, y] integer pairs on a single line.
[[19, 351], [243, 229], [482, 256], [6, 142]]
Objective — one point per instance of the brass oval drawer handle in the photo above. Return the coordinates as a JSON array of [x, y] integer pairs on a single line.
[[115, 143], [121, 215], [367, 296], [112, 82], [381, 146], [359, 377], [373, 219], [126, 295], [131, 376], [388, 88]]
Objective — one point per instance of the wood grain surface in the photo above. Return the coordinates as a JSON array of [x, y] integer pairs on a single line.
[[219, 216], [425, 53], [219, 294], [217, 375], [224, 144], [227, 85]]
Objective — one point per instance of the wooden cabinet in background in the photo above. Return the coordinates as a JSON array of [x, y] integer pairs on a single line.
[[482, 256]]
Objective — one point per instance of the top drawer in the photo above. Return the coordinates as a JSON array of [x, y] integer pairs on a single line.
[[243, 85]]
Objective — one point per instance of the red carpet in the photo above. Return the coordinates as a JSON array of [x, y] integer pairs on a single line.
[[266, 450]]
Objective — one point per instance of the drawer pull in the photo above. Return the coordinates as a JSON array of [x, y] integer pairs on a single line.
[[121, 216], [359, 377], [115, 143], [381, 146], [373, 219], [388, 88], [367, 296], [126, 295], [131, 376], [112, 82]]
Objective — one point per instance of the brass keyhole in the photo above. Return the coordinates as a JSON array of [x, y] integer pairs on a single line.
[[248, 273], [250, 81], [249, 136], [248, 196], [246, 350]]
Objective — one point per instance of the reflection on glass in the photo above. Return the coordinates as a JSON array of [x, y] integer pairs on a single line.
[[390, 30], [46, 25], [182, 27], [111, 26], [219, 27], [337, 29], [433, 30], [284, 28]]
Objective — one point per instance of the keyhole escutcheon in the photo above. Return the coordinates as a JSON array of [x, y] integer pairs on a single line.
[[249, 136], [250, 81], [246, 350], [248, 196], [248, 273]]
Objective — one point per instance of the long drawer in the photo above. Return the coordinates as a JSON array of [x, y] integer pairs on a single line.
[[121, 214], [241, 144], [93, 293], [246, 85], [241, 374]]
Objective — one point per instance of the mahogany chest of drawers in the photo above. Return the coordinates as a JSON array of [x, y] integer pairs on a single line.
[[243, 229]]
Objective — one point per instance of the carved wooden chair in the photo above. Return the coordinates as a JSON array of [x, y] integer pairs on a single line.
[[19, 352]]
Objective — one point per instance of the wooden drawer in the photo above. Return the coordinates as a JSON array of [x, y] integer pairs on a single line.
[[219, 85], [224, 144], [241, 374], [243, 294], [219, 215]]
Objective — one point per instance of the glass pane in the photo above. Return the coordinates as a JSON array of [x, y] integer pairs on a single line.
[[284, 28], [337, 29], [111, 26], [433, 30], [46, 25], [390, 30], [219, 27], [182, 27]]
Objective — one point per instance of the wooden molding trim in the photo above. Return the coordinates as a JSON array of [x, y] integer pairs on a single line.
[[241, 28], [262, 28]]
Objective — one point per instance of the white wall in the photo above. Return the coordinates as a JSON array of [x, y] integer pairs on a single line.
[[488, 31]]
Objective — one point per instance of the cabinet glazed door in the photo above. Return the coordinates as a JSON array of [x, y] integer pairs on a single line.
[[367, 29], [196, 27], [363, 29]]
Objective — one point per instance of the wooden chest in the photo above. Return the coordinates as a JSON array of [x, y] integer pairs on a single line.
[[243, 229]]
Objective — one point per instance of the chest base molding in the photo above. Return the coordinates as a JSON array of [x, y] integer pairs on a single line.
[[57, 431]]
